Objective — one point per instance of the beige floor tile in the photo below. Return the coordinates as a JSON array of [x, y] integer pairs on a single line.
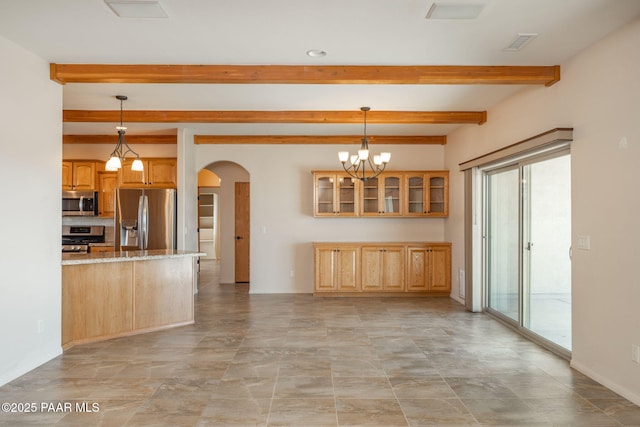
[[299, 360]]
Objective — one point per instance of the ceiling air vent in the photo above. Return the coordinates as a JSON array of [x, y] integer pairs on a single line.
[[520, 41], [136, 9], [454, 11]]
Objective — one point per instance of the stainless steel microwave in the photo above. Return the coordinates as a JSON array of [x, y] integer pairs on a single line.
[[79, 203]]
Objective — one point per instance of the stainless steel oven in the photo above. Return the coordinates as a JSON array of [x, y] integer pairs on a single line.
[[76, 238], [75, 249], [79, 203]]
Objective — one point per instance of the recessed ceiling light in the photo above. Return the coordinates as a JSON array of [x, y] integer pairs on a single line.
[[136, 9], [316, 53], [520, 41], [454, 11]]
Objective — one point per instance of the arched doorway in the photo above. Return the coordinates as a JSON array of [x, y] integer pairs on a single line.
[[233, 220]]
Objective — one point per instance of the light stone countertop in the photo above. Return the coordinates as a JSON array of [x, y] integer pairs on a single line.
[[125, 256]]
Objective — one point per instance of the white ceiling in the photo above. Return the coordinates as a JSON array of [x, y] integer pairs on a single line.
[[279, 32]]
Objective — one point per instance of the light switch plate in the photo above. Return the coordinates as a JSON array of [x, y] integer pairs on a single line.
[[584, 242]]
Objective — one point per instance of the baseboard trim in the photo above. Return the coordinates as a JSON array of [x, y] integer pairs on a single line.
[[20, 370], [617, 388]]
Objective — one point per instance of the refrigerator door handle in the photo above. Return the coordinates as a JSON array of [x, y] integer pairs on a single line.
[[142, 223], [146, 221], [145, 217]]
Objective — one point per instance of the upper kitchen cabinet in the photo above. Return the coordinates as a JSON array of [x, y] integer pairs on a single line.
[[335, 194], [382, 196], [107, 183], [157, 173], [78, 175], [427, 193]]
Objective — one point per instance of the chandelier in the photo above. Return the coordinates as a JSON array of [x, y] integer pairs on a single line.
[[122, 148], [363, 160]]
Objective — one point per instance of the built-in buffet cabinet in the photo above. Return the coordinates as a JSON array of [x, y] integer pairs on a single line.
[[409, 194], [391, 269]]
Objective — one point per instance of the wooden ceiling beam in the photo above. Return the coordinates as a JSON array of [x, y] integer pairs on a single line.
[[111, 139], [320, 139], [302, 74], [325, 117]]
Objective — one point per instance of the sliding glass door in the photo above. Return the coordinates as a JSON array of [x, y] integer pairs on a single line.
[[546, 196], [528, 242], [502, 242]]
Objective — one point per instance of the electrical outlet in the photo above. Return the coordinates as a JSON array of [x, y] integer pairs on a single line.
[[292, 273], [461, 284], [635, 353], [40, 326]]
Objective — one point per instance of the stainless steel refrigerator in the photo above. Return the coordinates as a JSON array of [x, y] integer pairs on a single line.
[[145, 219]]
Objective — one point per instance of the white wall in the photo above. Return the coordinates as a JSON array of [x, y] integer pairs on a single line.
[[599, 97], [30, 179], [187, 192], [282, 222]]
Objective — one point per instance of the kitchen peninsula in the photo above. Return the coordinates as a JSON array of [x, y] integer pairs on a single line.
[[113, 294]]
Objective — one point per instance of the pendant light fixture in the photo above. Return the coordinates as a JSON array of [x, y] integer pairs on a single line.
[[363, 160], [122, 148]]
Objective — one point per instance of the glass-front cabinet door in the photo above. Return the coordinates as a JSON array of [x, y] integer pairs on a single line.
[[438, 194], [427, 194], [346, 192], [324, 194], [370, 204], [392, 203], [416, 200], [335, 195], [382, 196]]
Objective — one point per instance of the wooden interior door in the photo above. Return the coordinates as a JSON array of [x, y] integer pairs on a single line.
[[242, 234]]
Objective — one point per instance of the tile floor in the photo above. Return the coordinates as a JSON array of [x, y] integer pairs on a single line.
[[296, 360]]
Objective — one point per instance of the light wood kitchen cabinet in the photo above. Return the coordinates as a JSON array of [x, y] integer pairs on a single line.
[[407, 194], [335, 194], [438, 195], [96, 249], [378, 269], [123, 296], [107, 183], [429, 268], [383, 268], [157, 173], [427, 193], [97, 301], [382, 196], [67, 175], [337, 268], [78, 175]]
